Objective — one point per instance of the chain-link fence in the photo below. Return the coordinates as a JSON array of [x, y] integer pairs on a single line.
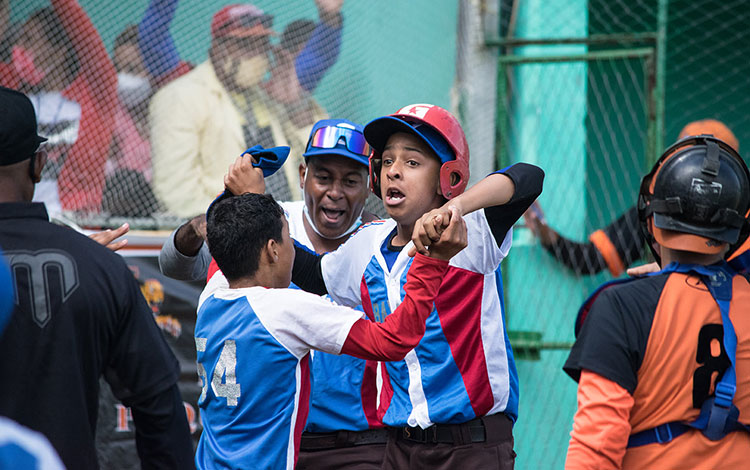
[[585, 89], [146, 103], [707, 66]]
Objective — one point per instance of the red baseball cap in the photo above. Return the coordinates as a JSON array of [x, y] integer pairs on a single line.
[[241, 20]]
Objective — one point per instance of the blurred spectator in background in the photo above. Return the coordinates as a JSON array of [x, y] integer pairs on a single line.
[[7, 31], [60, 62], [621, 243], [149, 47], [284, 85], [205, 119], [128, 191], [321, 43]]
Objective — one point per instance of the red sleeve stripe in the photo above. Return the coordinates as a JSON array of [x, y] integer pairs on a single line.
[[303, 406], [213, 268]]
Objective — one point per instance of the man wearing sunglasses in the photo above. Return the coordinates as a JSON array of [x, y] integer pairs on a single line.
[[342, 429]]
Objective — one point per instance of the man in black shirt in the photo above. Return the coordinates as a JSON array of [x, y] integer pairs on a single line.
[[79, 315]]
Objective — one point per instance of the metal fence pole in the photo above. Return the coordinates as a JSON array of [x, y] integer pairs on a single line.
[[659, 86], [503, 121]]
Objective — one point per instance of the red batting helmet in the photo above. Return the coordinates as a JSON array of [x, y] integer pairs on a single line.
[[438, 128]]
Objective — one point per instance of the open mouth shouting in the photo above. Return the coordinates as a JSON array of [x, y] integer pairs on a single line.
[[393, 196], [332, 216]]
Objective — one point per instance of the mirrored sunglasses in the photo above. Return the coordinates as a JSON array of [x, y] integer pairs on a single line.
[[328, 137]]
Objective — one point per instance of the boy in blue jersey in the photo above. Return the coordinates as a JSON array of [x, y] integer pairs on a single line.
[[254, 335], [342, 430], [452, 401]]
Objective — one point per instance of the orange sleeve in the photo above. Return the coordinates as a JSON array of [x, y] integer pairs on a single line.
[[600, 427], [609, 252]]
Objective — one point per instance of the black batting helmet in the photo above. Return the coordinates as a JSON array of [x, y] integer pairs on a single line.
[[696, 197]]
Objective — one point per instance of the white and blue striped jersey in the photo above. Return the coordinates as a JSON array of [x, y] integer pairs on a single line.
[[463, 367]]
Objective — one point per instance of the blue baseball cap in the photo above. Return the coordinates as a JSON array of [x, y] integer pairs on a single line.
[[379, 130], [338, 137]]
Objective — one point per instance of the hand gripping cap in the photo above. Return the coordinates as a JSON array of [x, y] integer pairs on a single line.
[[696, 197], [439, 129]]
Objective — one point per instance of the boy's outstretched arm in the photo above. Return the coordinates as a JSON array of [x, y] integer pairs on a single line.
[[184, 255], [519, 184], [504, 195], [403, 329]]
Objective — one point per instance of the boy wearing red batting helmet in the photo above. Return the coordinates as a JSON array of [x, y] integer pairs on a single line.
[[455, 395], [663, 361]]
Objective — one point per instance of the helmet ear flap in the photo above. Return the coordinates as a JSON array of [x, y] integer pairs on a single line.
[[376, 162], [648, 229], [453, 178], [645, 214]]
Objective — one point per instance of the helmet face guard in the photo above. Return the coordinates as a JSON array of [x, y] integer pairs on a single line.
[[696, 197], [454, 174]]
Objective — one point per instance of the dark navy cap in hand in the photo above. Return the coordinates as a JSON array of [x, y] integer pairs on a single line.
[[269, 160]]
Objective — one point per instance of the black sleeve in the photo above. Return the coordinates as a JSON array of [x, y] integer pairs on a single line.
[[306, 272], [582, 258], [140, 362], [143, 372], [162, 434], [585, 258], [528, 181], [612, 341], [625, 234]]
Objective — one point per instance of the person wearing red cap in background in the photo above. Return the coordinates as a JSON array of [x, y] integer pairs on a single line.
[[621, 243], [203, 120], [159, 56], [59, 60], [146, 58]]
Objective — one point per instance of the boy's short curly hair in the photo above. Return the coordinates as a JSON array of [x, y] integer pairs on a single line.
[[238, 227]]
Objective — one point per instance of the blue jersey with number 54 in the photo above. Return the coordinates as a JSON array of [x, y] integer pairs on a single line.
[[253, 347]]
